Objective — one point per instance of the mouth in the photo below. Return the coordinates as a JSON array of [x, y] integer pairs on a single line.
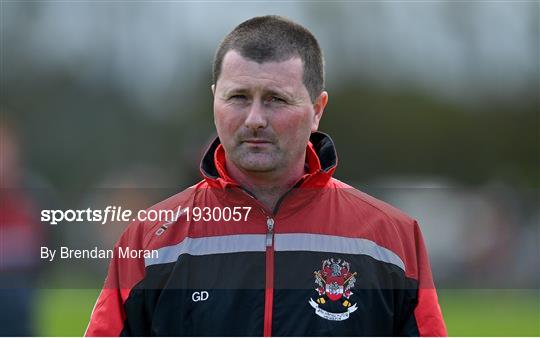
[[257, 141]]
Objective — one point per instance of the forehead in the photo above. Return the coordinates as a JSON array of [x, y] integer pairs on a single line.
[[237, 71]]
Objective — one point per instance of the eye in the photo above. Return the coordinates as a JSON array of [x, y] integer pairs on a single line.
[[237, 97], [276, 99]]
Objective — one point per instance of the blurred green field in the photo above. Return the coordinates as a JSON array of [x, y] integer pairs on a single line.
[[63, 312], [491, 312]]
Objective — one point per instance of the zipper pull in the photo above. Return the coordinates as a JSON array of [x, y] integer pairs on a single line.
[[270, 233]]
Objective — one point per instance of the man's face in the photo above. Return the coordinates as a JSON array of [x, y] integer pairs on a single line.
[[263, 113]]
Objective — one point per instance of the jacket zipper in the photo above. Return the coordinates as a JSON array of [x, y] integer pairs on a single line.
[[269, 273], [269, 289], [269, 283]]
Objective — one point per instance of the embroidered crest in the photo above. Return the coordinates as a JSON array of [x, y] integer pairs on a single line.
[[335, 281]]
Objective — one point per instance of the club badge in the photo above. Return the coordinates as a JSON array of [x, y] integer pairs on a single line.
[[335, 281]]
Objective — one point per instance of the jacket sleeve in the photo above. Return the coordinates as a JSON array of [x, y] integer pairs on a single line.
[[426, 319], [108, 317]]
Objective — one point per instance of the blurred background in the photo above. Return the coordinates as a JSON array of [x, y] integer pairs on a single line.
[[434, 107]]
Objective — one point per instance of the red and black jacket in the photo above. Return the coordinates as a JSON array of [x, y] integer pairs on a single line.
[[328, 261]]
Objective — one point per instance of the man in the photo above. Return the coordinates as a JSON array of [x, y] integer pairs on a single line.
[[269, 243]]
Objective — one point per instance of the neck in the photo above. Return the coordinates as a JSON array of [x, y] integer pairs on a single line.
[[267, 187]]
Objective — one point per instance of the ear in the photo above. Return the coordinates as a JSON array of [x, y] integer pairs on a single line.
[[213, 88], [318, 107]]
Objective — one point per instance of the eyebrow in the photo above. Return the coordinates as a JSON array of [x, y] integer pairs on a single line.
[[234, 90], [271, 91]]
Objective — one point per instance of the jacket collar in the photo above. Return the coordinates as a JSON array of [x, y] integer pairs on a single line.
[[321, 162]]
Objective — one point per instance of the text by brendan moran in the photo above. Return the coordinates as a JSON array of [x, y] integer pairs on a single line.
[[65, 252]]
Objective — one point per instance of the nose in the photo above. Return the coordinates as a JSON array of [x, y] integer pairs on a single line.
[[256, 117]]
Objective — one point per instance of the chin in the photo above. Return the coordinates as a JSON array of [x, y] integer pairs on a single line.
[[258, 168], [257, 163]]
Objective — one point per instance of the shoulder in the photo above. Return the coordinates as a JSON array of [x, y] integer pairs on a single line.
[[370, 218], [370, 206], [164, 213]]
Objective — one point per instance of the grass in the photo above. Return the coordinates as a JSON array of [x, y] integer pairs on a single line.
[[491, 312], [65, 312]]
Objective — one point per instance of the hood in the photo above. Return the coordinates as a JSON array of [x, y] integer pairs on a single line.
[[321, 162]]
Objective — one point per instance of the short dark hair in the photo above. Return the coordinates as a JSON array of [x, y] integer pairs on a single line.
[[275, 38]]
